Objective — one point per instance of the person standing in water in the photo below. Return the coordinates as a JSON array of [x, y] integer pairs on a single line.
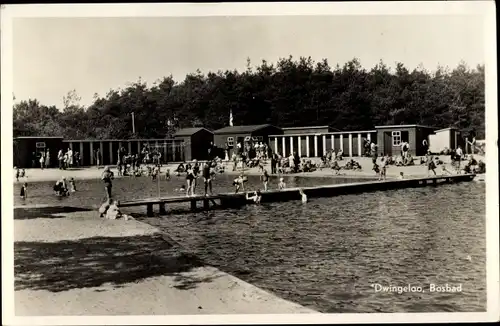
[[265, 179], [256, 197], [190, 181], [207, 177], [107, 177], [24, 191], [303, 195]]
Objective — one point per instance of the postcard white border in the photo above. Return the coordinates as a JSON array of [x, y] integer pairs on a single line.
[[484, 8]]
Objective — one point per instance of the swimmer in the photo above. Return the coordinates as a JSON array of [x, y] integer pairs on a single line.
[[24, 191], [181, 189], [239, 182], [303, 195], [281, 184], [256, 197]]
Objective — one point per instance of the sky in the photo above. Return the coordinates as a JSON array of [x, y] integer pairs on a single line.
[[52, 56]]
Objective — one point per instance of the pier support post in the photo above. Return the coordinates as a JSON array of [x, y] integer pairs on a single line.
[[276, 145], [342, 143], [206, 204], [149, 208], [111, 158], [163, 211], [299, 146], [291, 144], [82, 154], [333, 142], [193, 205], [283, 143], [324, 145]]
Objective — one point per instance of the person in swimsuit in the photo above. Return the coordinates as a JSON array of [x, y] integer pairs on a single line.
[[72, 185], [303, 195], [431, 166], [256, 197], [239, 182], [207, 177], [18, 173], [107, 177], [281, 184], [401, 176], [190, 181], [265, 179], [167, 175], [196, 173]]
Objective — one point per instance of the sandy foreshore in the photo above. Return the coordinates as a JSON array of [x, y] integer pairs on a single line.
[[75, 263], [414, 171]]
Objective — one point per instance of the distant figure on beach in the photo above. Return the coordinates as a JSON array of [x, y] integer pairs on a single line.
[[303, 195], [281, 184], [47, 158], [373, 152], [256, 197], [265, 179], [207, 178], [239, 182], [167, 175], [24, 191], [383, 169], [18, 173], [42, 160], [107, 177], [155, 172]]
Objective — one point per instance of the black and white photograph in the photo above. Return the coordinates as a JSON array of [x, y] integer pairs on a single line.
[[249, 163]]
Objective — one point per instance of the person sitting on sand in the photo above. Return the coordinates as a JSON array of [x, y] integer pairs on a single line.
[[104, 208], [480, 168], [239, 182], [336, 167], [281, 184], [256, 197], [339, 155], [61, 188], [24, 191], [303, 195], [401, 175], [72, 186]]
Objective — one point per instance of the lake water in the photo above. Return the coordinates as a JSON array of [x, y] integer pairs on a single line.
[[327, 254]]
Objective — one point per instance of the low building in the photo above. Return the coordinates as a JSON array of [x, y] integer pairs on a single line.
[[308, 130], [240, 134], [449, 138], [389, 138], [197, 141], [27, 150]]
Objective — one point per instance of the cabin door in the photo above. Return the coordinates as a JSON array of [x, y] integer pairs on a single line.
[[387, 143]]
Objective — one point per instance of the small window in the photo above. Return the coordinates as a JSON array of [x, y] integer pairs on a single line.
[[40, 145], [230, 141], [396, 138]]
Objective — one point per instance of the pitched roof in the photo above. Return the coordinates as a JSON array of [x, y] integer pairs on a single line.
[[241, 129], [189, 131]]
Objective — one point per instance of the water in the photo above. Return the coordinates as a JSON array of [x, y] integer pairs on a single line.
[[91, 192], [327, 253]]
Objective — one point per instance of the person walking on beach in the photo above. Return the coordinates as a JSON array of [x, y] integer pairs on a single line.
[[47, 159], [458, 156], [60, 159], [42, 160], [107, 177], [431, 166], [207, 178]]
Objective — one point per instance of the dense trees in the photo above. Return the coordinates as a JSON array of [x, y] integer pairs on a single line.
[[289, 93]]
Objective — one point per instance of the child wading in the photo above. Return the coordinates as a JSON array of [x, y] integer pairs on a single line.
[[24, 191]]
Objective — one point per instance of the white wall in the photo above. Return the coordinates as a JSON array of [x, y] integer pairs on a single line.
[[439, 141]]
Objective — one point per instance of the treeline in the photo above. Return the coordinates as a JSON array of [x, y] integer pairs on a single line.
[[288, 93]]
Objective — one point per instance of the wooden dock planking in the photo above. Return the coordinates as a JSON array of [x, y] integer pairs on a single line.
[[238, 199]]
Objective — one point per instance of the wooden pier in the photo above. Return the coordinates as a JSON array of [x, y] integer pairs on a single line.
[[239, 199]]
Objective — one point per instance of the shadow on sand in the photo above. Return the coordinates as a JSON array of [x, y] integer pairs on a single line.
[[45, 212], [92, 262]]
